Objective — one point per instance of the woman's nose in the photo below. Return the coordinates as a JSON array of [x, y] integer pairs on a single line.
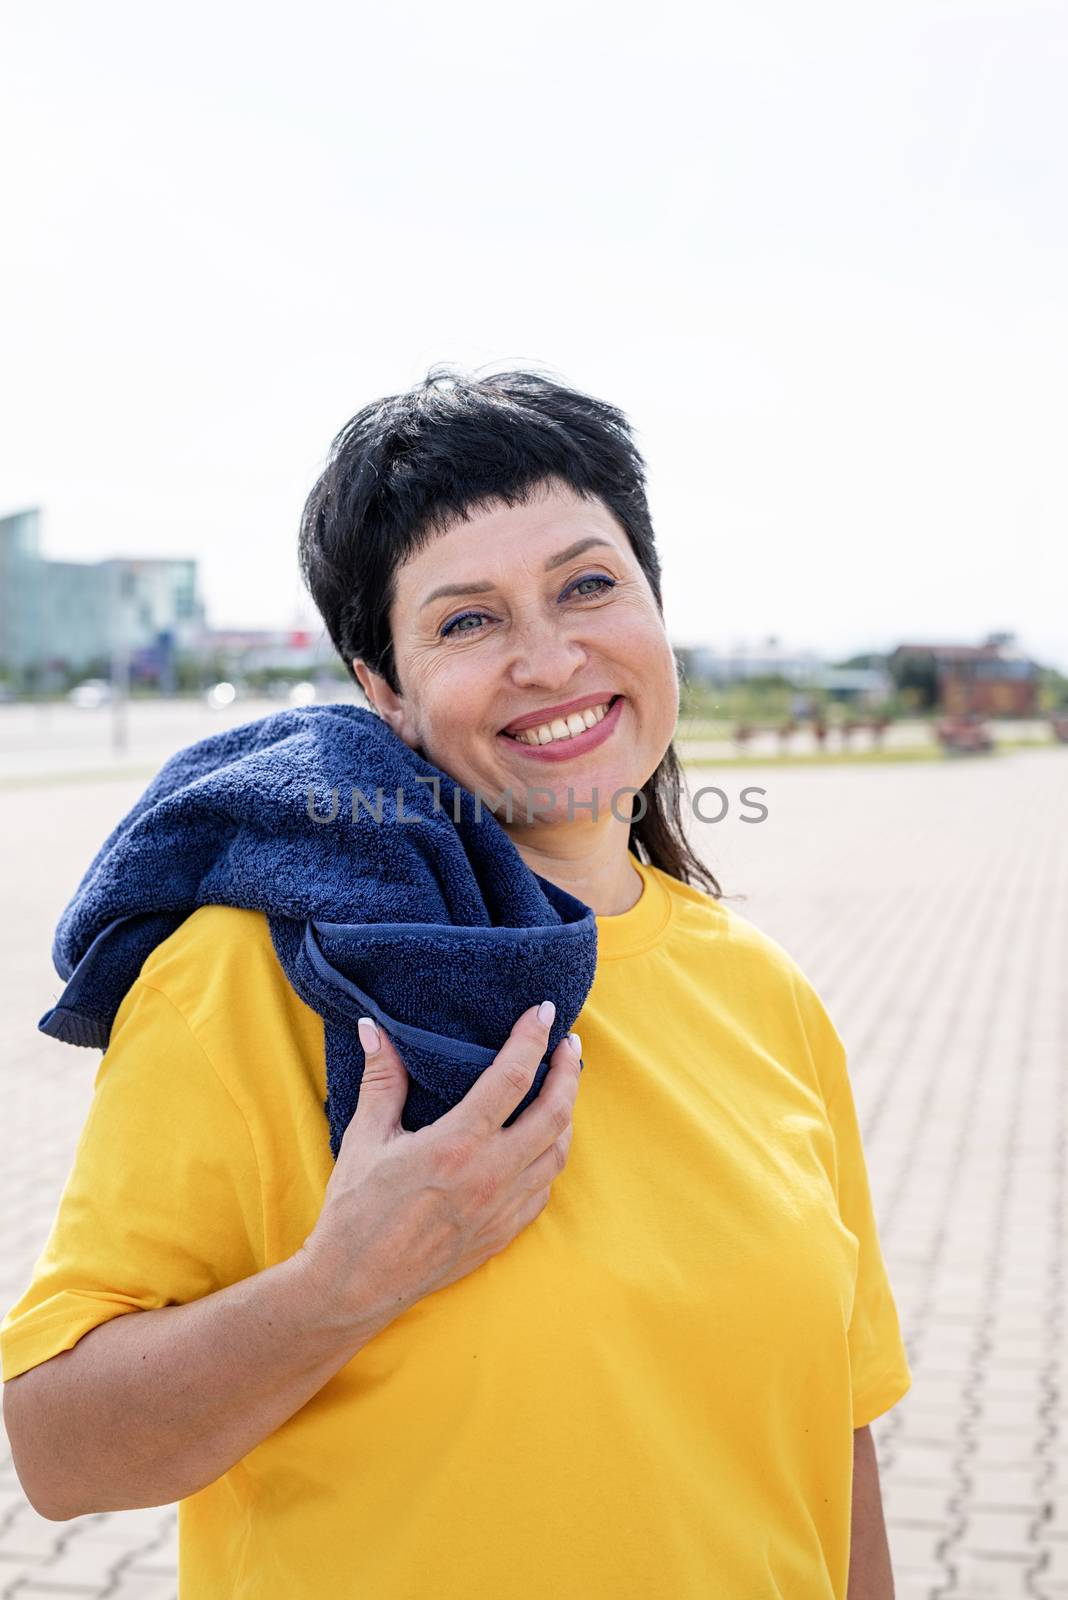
[[544, 656]]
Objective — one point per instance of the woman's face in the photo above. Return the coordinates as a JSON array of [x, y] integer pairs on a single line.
[[516, 620]]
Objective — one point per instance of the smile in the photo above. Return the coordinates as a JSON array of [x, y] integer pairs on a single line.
[[570, 735]]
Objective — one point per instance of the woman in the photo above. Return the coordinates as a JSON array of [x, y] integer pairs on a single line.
[[630, 1345]]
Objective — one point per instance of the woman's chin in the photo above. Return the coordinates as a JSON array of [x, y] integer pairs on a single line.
[[556, 795]]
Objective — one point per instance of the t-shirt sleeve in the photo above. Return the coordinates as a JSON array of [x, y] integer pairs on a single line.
[[162, 1204], [879, 1367]]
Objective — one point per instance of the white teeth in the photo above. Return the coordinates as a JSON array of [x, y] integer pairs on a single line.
[[563, 727]]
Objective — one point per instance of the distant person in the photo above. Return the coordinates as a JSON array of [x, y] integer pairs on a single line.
[[629, 1345]]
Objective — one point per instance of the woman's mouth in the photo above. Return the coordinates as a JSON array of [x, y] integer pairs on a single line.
[[564, 737]]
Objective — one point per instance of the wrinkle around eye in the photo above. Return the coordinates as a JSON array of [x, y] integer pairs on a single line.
[[450, 629]]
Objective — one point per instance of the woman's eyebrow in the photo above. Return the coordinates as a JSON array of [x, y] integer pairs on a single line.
[[477, 587]]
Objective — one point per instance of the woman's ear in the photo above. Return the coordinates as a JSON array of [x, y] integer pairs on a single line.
[[385, 702], [368, 682]]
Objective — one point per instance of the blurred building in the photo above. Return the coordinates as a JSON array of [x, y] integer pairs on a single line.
[[59, 618], [802, 669], [995, 678], [268, 649], [19, 592]]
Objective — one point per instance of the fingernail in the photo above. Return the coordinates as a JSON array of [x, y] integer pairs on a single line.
[[546, 1013], [367, 1028], [575, 1042]]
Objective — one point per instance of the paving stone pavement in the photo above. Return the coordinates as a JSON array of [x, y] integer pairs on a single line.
[[929, 905]]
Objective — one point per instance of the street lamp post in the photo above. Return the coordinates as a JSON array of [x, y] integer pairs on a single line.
[[120, 695]]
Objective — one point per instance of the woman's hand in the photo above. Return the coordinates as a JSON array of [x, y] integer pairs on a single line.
[[407, 1213]]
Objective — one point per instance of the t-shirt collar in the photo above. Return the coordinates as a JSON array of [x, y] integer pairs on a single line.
[[630, 932]]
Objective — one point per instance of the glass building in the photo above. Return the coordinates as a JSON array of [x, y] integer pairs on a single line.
[[65, 617]]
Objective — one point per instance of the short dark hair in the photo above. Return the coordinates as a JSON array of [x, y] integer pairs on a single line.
[[409, 466]]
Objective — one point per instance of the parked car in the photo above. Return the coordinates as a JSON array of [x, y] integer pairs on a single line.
[[92, 693], [964, 735]]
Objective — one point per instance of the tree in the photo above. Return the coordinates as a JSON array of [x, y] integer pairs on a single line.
[[917, 671]]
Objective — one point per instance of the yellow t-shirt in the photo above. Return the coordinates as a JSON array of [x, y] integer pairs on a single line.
[[650, 1394]]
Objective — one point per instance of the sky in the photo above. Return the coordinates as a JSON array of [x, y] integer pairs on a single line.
[[816, 253]]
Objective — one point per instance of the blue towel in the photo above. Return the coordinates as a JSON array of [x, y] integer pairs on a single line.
[[428, 919]]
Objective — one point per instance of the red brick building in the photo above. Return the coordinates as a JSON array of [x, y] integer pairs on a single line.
[[994, 679]]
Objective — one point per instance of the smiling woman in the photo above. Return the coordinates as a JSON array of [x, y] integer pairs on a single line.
[[624, 1344], [483, 556]]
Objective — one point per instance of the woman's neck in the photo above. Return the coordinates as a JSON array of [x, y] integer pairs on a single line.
[[599, 871]]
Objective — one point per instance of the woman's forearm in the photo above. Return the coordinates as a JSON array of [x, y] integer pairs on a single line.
[[154, 1405], [870, 1573]]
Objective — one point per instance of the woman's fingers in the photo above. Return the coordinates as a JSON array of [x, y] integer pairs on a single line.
[[384, 1085], [497, 1091], [548, 1119]]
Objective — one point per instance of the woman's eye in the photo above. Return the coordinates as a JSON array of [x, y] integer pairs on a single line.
[[454, 625], [609, 582]]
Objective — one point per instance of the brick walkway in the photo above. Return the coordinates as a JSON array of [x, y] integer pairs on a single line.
[[929, 905]]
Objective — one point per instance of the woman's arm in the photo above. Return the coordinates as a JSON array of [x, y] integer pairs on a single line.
[[152, 1406], [870, 1574]]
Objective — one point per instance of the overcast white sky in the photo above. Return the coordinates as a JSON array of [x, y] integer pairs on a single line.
[[817, 253]]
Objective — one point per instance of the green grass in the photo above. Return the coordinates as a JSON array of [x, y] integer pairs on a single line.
[[814, 758], [839, 758], [833, 758]]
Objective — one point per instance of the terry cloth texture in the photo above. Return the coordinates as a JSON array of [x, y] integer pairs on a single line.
[[410, 904]]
